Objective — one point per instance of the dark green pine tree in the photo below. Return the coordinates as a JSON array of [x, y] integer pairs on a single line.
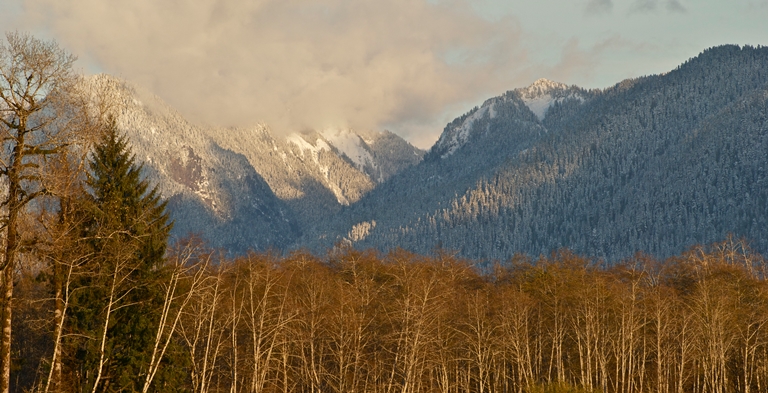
[[126, 230], [124, 202]]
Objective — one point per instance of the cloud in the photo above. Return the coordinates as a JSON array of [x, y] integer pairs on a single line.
[[675, 6], [576, 61], [644, 6], [598, 6], [640, 6], [294, 64], [583, 63]]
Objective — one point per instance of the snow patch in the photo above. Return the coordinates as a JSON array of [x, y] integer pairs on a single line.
[[303, 145], [350, 144], [360, 231], [540, 87], [539, 105], [314, 151], [460, 134], [542, 94]]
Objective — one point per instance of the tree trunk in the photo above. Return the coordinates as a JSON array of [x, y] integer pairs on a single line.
[[9, 263], [5, 348], [62, 302]]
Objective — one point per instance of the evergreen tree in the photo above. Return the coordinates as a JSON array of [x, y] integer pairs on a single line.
[[126, 230], [123, 201]]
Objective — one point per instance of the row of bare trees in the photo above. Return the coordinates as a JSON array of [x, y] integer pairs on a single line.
[[406, 323], [360, 322]]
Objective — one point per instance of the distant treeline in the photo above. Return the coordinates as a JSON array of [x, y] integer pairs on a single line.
[[362, 322]]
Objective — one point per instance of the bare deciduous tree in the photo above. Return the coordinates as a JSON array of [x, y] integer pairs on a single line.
[[37, 120]]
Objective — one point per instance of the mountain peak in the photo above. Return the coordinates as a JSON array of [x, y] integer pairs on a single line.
[[541, 87], [543, 93]]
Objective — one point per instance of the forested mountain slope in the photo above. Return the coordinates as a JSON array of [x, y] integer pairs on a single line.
[[653, 164]]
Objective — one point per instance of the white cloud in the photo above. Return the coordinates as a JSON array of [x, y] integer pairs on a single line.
[[410, 66], [292, 63]]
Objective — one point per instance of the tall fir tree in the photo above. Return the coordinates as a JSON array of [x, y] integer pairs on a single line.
[[124, 202], [126, 231]]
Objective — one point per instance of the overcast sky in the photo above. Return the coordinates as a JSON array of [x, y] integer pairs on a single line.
[[409, 66]]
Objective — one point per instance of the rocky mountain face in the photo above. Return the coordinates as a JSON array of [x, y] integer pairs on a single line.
[[246, 188], [654, 164]]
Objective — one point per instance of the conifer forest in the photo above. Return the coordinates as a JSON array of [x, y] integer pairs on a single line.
[[97, 296]]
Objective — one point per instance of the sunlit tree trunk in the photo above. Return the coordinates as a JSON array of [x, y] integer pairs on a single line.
[[266, 316], [188, 265], [203, 332]]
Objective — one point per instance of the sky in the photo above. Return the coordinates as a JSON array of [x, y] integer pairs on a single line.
[[408, 66]]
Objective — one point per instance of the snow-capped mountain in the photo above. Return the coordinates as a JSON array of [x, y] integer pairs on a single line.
[[654, 164], [353, 147], [542, 94], [246, 188], [526, 104], [378, 154]]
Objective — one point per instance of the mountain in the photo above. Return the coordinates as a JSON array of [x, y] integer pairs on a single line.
[[654, 164], [247, 188]]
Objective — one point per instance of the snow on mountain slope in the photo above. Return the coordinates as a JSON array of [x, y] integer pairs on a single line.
[[351, 145], [460, 134], [343, 180], [655, 165], [212, 191], [313, 149], [164, 141], [223, 182], [543, 93], [535, 99], [538, 96], [378, 154]]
